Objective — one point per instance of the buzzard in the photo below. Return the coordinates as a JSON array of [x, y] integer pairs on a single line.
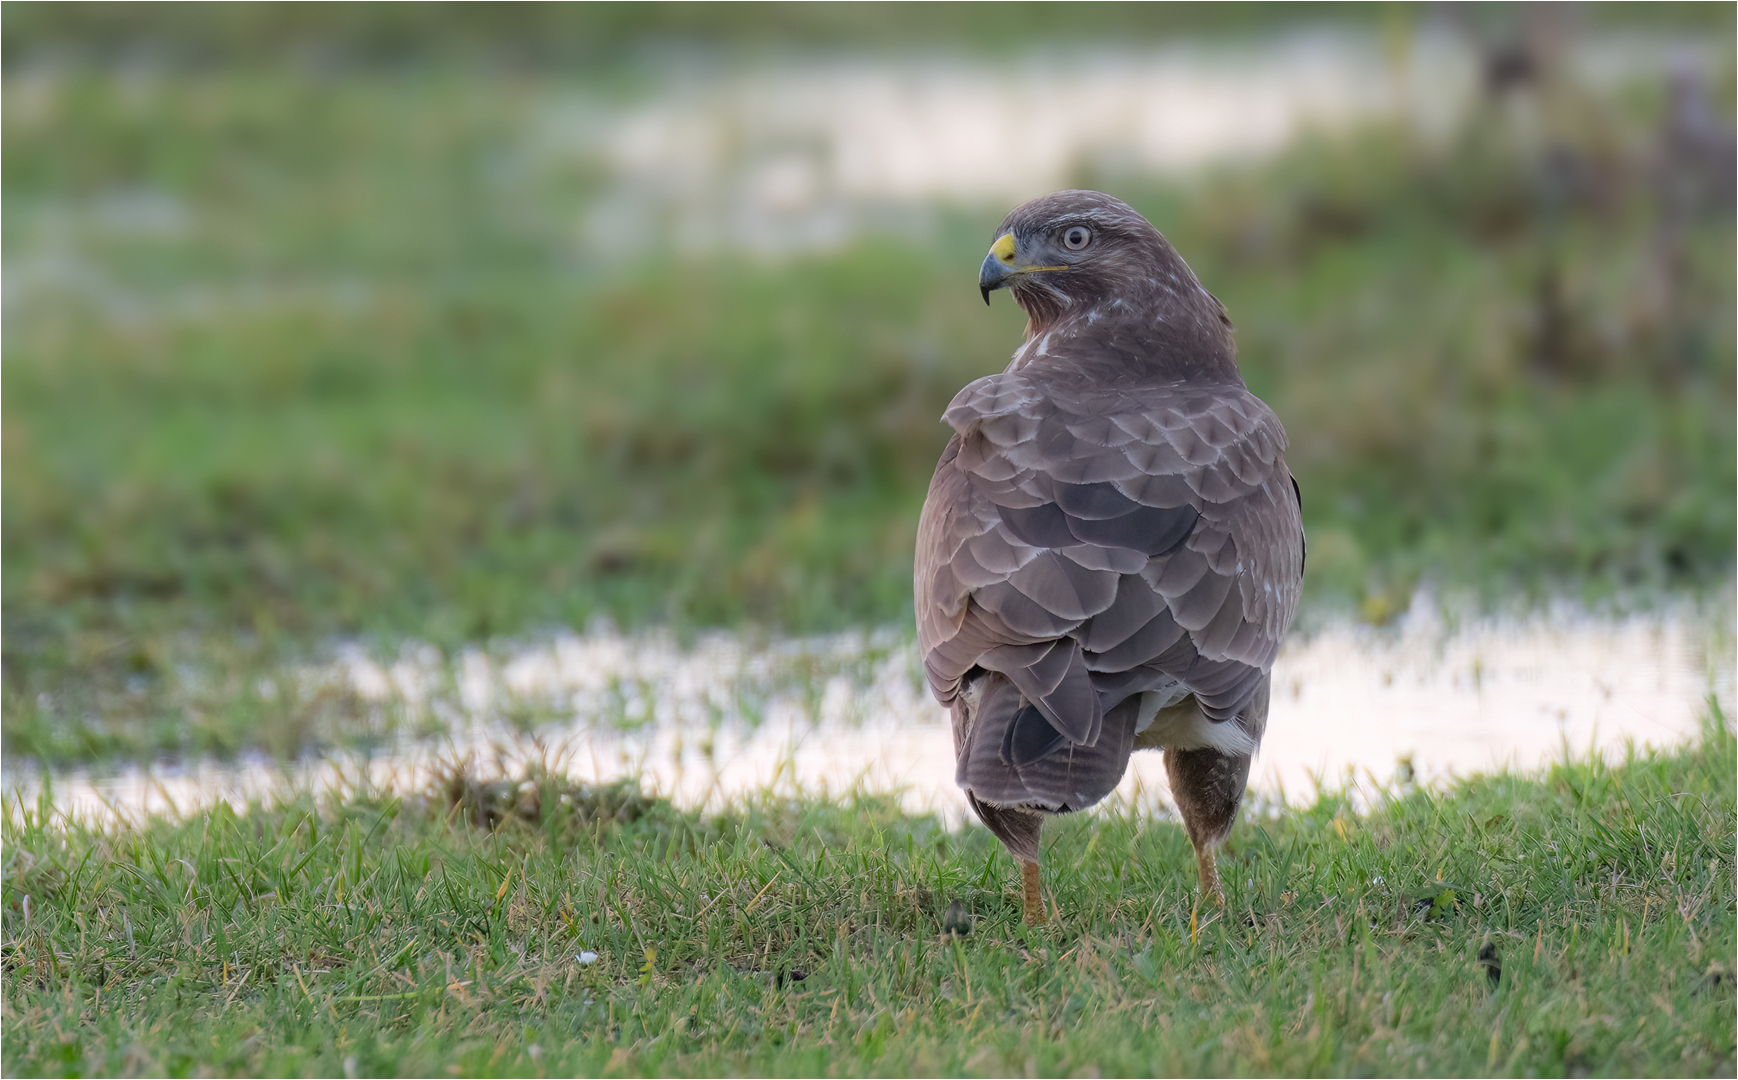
[[1112, 546]]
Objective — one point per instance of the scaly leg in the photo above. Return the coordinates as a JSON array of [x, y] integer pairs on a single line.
[[1033, 896], [1207, 869]]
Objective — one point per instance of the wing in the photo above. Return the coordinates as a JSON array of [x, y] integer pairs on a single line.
[[1093, 543]]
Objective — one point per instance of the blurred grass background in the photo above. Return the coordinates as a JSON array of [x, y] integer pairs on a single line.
[[300, 341]]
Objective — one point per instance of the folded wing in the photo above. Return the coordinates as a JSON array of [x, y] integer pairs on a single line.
[[1082, 545]]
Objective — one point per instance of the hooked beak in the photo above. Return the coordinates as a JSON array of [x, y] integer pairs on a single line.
[[998, 266], [1002, 264]]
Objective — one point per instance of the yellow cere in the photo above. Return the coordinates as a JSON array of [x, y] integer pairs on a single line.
[[1003, 248]]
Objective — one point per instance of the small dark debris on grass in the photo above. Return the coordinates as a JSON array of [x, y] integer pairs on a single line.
[[1717, 977], [795, 975], [1438, 902], [956, 922], [1492, 965]]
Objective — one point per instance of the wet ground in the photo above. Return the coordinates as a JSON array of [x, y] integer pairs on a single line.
[[1430, 698]]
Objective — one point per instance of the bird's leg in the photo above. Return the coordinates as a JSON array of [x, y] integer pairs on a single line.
[[1018, 830], [1033, 896], [1207, 871], [1207, 787]]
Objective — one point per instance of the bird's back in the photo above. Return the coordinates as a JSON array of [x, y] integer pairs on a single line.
[[1095, 547]]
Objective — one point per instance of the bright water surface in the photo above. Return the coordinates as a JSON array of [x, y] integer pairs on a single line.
[[727, 716]]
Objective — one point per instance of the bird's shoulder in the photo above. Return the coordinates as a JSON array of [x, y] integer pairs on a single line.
[[1218, 439]]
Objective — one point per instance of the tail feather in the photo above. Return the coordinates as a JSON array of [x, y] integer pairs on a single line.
[[1011, 755], [1029, 738], [1054, 678]]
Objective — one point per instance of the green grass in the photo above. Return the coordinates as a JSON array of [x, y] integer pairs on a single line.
[[367, 934], [292, 358]]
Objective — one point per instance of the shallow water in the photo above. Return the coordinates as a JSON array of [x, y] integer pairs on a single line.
[[727, 716], [777, 158]]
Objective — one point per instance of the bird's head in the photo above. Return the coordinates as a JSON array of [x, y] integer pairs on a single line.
[[1073, 251]]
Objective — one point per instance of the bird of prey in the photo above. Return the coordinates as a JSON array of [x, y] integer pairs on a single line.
[[1112, 546]]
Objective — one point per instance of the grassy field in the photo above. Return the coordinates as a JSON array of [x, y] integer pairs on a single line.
[[292, 357], [1580, 922]]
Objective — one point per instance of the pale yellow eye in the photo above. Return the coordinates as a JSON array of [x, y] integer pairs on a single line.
[[1077, 238]]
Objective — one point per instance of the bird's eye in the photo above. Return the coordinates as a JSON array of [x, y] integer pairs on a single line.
[[1077, 238]]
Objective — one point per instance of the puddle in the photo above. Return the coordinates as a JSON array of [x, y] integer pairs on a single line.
[[725, 716], [800, 157], [796, 157]]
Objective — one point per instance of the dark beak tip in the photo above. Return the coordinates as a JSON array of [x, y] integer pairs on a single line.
[[985, 289]]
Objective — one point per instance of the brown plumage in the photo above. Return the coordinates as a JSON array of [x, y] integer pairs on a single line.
[[1112, 545]]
